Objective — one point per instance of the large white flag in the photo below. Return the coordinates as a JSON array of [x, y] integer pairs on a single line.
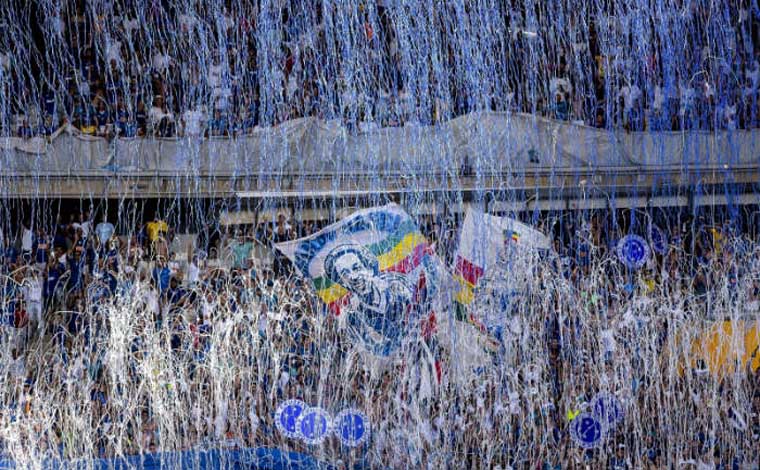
[[494, 261]]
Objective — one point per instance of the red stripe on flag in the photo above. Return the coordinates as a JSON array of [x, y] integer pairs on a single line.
[[468, 271], [429, 326], [335, 307], [414, 259]]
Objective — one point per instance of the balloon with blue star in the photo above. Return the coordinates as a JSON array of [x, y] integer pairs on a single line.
[[352, 427], [313, 425], [586, 431], [286, 417], [633, 251]]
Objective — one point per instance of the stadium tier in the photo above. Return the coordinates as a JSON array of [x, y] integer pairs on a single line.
[[403, 234]]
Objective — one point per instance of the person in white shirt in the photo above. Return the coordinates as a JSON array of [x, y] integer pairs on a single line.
[[193, 272], [5, 62], [659, 99], [131, 25], [560, 85], [26, 242], [113, 51], [729, 116], [687, 97], [187, 22], [33, 297], [215, 75], [193, 120], [159, 116], [18, 365], [85, 224], [160, 62], [157, 111], [254, 422], [630, 94]]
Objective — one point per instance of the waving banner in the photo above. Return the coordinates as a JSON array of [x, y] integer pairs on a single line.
[[374, 267], [491, 266]]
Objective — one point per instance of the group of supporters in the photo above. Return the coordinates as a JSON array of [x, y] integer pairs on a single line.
[[170, 71], [123, 344]]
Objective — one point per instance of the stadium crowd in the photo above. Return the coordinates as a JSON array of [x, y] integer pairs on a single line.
[[214, 339], [139, 72]]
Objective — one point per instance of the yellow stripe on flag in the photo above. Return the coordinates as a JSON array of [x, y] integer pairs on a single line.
[[465, 295], [463, 282], [405, 248], [332, 293]]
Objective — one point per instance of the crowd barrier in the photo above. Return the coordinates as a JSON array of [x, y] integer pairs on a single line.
[[483, 142]]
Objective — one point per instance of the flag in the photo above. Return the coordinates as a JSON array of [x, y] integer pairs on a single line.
[[491, 245], [376, 267]]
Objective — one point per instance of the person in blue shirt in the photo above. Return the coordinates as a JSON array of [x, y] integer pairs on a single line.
[[61, 232], [248, 124], [561, 108], [102, 119], [110, 274], [79, 242], [175, 294], [113, 86], [46, 128], [218, 126], [161, 275], [77, 266], [11, 293], [91, 255], [41, 247], [55, 270], [125, 126], [49, 103], [10, 252], [84, 117]]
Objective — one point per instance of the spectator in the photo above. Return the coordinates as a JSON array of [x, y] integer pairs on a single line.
[[282, 233], [84, 117], [156, 228], [103, 120], [193, 122], [242, 251], [47, 128], [141, 119], [218, 126], [247, 123], [25, 130], [126, 126], [41, 248], [27, 242], [104, 231], [561, 107], [161, 120]]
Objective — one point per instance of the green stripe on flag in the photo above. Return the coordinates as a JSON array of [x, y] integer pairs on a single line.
[[322, 283], [393, 240]]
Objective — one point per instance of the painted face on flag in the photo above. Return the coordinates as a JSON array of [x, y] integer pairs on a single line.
[[380, 302], [353, 274], [353, 267]]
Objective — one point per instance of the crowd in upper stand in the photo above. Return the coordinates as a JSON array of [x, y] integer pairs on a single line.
[[129, 69]]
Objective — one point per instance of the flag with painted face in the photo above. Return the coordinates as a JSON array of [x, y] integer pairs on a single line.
[[375, 268], [492, 265]]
